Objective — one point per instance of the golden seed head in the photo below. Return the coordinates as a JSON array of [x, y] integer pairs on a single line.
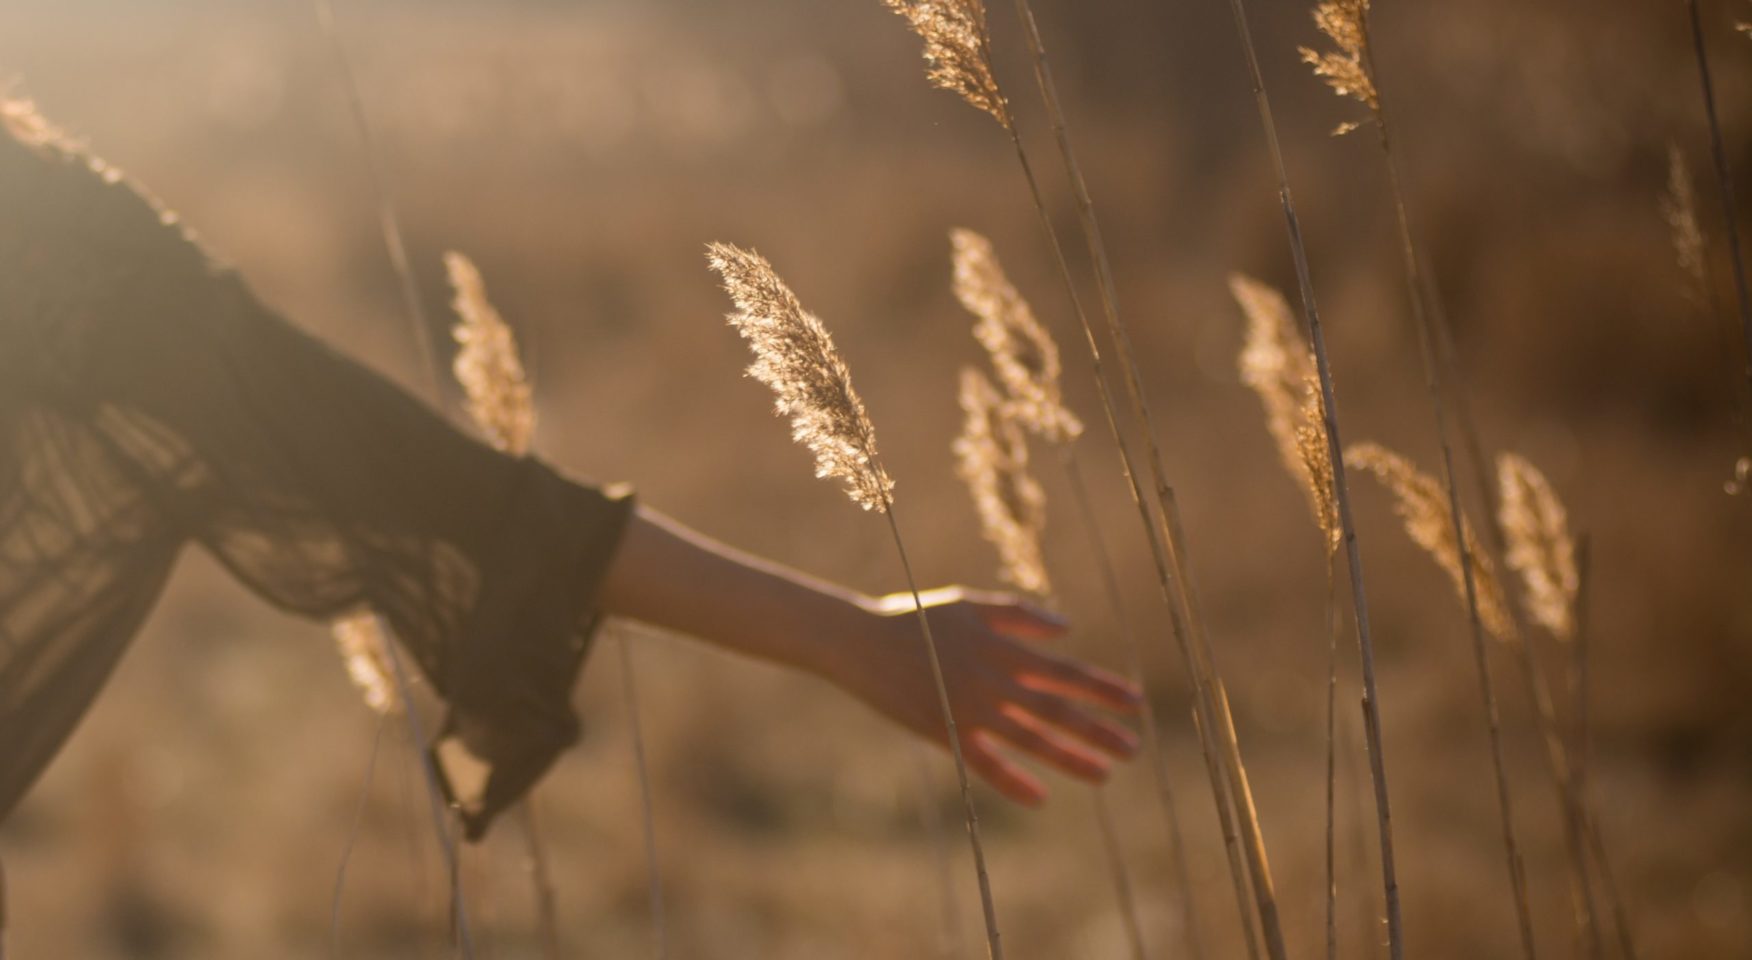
[[487, 365], [364, 646], [1023, 354], [1346, 23], [1679, 208], [1278, 366], [1422, 504], [991, 457], [1316, 460], [1540, 548], [958, 50], [794, 355]]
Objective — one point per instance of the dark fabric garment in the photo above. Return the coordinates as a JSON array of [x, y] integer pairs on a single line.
[[148, 400]]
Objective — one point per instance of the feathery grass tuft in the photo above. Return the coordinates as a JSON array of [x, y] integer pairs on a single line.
[[1346, 23], [1278, 366], [1422, 504], [1679, 209], [1022, 352], [363, 643], [1540, 548], [796, 358], [958, 49], [1316, 459], [811, 384], [487, 365], [991, 457]]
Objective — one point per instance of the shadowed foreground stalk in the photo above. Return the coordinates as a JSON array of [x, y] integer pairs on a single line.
[[1724, 179]]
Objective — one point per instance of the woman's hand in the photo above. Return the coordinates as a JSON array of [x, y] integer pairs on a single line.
[[1006, 693]]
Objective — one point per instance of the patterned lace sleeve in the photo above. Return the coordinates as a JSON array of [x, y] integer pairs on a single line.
[[148, 400]]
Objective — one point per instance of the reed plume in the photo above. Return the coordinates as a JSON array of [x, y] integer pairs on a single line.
[[1345, 70], [1026, 359], [1679, 209], [363, 643], [487, 365], [991, 457], [1282, 370], [1315, 452], [1278, 366], [971, 50], [1023, 354], [489, 368], [796, 358], [1422, 505], [958, 50], [811, 384], [1540, 548], [1725, 185]]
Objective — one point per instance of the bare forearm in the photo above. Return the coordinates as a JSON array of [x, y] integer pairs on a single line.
[[670, 576]]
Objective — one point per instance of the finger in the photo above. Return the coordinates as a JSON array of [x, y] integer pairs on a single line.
[[1022, 620], [1050, 673], [1087, 727], [1033, 736], [982, 756]]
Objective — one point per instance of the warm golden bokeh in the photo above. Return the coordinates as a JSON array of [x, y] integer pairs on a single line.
[[584, 154]]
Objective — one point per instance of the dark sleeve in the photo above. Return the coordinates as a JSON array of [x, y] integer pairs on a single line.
[[183, 410]]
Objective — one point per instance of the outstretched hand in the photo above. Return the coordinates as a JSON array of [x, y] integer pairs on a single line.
[[1007, 692]]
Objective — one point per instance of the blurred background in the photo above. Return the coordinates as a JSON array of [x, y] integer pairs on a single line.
[[583, 154]]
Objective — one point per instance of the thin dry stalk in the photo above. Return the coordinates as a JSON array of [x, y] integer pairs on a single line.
[[1346, 24], [497, 395], [1231, 838], [1153, 526], [1353, 34], [389, 223], [1331, 757], [1027, 363], [1724, 180], [653, 875], [1277, 366], [796, 358], [1432, 525], [1135, 672], [992, 459], [1175, 546]]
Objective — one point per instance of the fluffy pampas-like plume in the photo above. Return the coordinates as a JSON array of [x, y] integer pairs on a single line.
[[991, 457], [1022, 352], [1422, 503], [811, 384], [1346, 22], [1278, 366], [1679, 209], [1540, 548], [958, 49], [487, 365], [363, 643], [1315, 456]]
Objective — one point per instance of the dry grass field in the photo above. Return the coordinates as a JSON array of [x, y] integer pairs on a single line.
[[584, 153]]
